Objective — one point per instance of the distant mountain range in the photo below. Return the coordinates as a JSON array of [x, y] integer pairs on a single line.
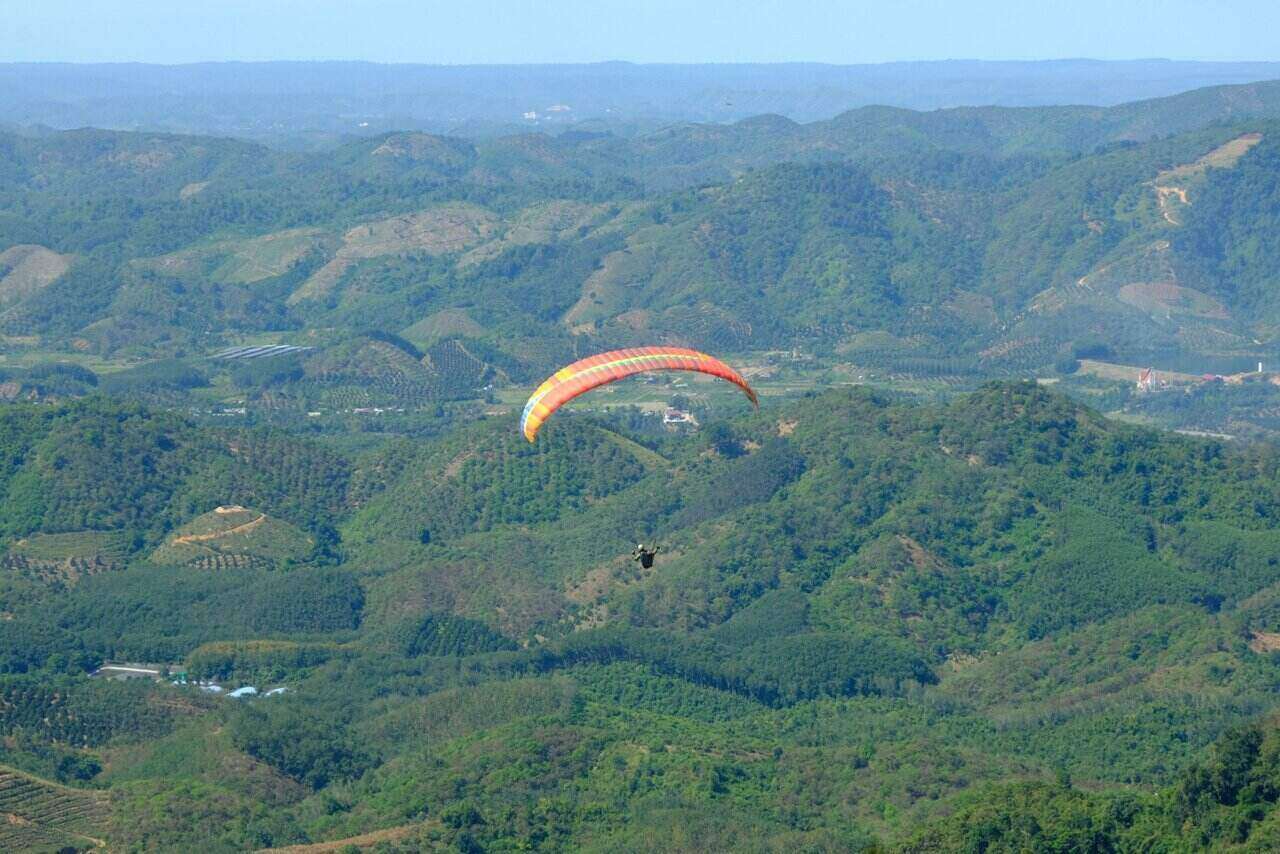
[[315, 103], [969, 241]]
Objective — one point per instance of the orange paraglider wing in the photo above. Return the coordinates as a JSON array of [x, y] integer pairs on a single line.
[[585, 374]]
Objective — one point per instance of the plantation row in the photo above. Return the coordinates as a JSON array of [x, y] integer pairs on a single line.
[[83, 713], [36, 815], [216, 563], [53, 571]]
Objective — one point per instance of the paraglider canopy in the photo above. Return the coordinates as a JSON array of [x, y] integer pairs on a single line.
[[586, 374]]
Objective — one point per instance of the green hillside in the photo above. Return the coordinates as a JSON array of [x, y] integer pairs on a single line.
[[973, 242], [233, 536], [866, 613], [1226, 802]]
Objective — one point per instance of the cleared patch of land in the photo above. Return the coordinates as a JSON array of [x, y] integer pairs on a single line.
[[543, 223], [1262, 642], [232, 536], [603, 292], [438, 231], [241, 261], [217, 535], [361, 842], [1130, 373], [1223, 157], [269, 255], [28, 268], [420, 147], [1166, 297], [449, 323], [1170, 185], [192, 189]]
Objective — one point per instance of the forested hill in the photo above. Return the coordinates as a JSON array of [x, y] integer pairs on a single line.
[[973, 242], [864, 612]]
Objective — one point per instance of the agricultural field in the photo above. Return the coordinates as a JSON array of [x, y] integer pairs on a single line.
[[106, 546], [233, 537], [61, 560], [1130, 373], [37, 815]]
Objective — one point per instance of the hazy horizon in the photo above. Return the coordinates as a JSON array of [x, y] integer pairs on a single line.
[[954, 60]]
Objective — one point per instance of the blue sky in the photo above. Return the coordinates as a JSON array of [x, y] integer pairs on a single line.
[[490, 31]]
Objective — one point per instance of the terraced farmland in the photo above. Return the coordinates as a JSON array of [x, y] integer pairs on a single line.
[[233, 537], [36, 815], [223, 562], [376, 373], [62, 559], [109, 546], [53, 572], [456, 371]]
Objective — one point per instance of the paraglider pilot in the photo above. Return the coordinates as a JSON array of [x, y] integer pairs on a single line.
[[644, 555]]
